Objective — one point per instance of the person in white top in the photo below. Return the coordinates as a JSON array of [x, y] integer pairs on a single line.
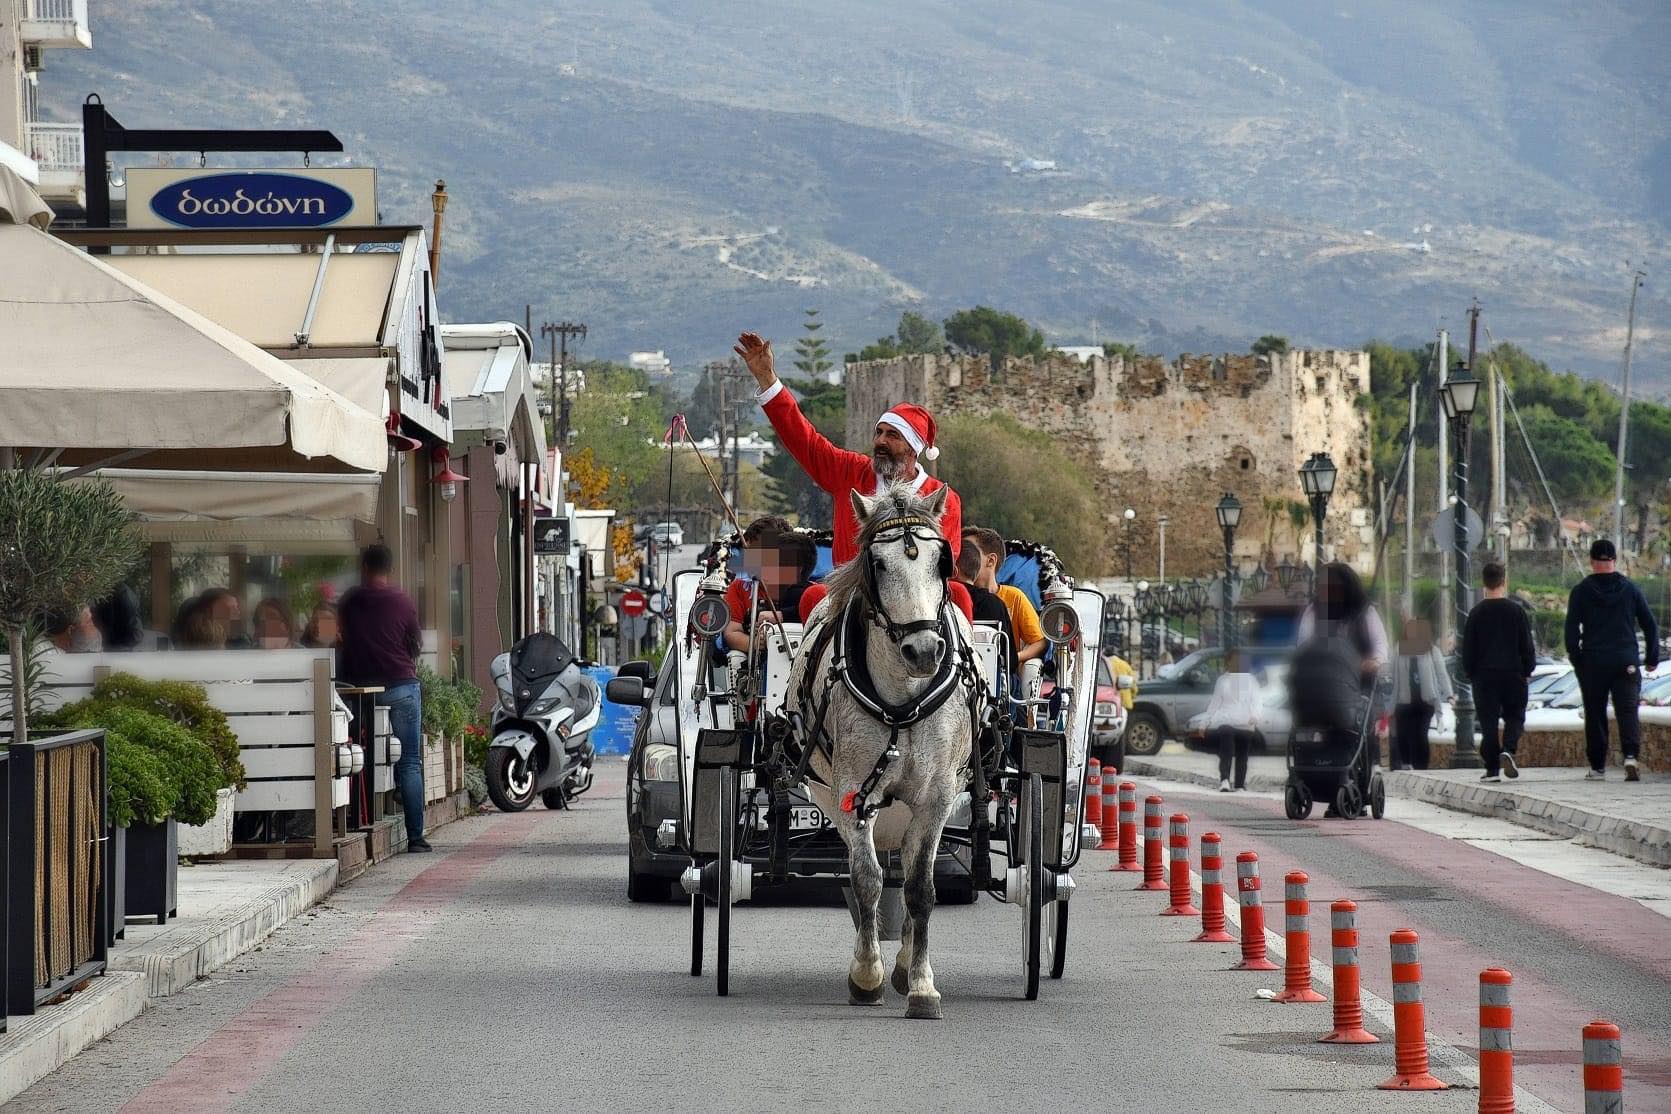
[[1230, 721]]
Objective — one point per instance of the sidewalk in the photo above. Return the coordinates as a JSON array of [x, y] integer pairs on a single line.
[[226, 908], [1631, 820]]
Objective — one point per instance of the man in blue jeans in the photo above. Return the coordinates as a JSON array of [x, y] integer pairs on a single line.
[[380, 645]]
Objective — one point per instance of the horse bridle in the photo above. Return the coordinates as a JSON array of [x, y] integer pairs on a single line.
[[904, 526]]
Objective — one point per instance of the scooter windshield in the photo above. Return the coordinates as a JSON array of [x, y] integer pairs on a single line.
[[539, 657]]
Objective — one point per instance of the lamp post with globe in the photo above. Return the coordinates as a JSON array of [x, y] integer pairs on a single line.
[[1229, 511], [1458, 394]]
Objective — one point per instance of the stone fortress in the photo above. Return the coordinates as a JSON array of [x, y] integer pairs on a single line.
[[1169, 438]]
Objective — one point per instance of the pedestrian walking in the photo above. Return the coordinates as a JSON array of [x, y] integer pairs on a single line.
[[1498, 656], [1420, 685], [1603, 614], [380, 645], [1231, 720]]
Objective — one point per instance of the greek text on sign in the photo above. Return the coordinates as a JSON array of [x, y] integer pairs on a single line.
[[291, 198]]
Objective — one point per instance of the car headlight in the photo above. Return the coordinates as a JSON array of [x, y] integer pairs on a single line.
[[1107, 711], [661, 763]]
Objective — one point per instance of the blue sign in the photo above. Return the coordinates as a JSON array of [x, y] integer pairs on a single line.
[[613, 734], [258, 199]]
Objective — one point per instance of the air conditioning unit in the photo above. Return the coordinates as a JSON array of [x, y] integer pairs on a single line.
[[32, 57]]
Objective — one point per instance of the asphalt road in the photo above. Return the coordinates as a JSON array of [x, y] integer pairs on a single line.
[[508, 970]]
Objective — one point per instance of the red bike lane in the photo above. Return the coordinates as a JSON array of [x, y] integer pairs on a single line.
[[1576, 954]]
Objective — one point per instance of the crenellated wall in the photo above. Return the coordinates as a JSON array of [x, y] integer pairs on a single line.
[[1168, 437]]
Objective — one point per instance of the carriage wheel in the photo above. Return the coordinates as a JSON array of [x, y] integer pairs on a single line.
[[1056, 937], [697, 901], [1032, 908], [727, 852]]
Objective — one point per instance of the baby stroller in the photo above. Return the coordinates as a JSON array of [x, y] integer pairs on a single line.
[[1332, 750]]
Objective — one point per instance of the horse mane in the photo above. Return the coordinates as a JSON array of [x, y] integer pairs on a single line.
[[846, 581]]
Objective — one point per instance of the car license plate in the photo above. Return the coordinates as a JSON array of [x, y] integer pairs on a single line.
[[807, 817]]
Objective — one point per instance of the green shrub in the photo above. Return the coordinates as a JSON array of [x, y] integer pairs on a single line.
[[1549, 628], [185, 703], [448, 706], [177, 774], [139, 792]]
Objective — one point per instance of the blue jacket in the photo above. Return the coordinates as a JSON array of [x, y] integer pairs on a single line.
[[1603, 613]]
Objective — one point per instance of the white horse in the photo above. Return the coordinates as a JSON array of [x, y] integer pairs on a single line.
[[883, 684]]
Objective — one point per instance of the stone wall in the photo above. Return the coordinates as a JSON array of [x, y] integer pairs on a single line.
[[1168, 438]]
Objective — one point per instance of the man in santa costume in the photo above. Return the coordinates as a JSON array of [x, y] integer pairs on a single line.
[[904, 435]]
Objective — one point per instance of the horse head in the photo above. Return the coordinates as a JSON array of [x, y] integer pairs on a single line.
[[903, 564]]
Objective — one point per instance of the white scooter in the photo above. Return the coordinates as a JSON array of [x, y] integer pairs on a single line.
[[542, 726]]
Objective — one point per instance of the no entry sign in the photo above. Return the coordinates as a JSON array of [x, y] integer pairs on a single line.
[[633, 603]]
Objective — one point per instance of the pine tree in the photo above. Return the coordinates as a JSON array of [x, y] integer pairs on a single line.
[[812, 355]]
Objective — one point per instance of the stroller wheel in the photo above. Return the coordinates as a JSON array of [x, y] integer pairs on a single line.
[[1296, 801], [1348, 801], [1378, 797]]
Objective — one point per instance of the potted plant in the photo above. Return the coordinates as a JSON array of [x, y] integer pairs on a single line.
[[187, 704], [161, 776], [64, 545]]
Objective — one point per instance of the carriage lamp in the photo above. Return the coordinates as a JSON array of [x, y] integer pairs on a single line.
[[1060, 619], [708, 614], [447, 478]]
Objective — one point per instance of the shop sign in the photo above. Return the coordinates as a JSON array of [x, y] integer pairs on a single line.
[[214, 198], [551, 535]]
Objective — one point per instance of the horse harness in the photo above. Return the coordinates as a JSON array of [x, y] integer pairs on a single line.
[[850, 668]]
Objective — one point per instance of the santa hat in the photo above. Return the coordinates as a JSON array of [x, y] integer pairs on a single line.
[[916, 425]]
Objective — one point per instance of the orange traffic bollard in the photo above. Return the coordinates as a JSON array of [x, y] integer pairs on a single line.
[[1154, 850], [1409, 1018], [1254, 957], [1093, 794], [1212, 893], [1181, 905], [1496, 1043], [1127, 824], [1111, 794], [1297, 972], [1348, 999], [1604, 1071]]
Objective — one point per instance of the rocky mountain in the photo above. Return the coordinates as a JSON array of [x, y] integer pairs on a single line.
[[1185, 175]]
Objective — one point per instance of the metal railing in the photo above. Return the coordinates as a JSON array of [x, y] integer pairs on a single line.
[[56, 882], [58, 11], [55, 146]]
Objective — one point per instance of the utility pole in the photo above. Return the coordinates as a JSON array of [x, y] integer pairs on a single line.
[[1444, 611], [1410, 511], [1624, 416], [560, 332]]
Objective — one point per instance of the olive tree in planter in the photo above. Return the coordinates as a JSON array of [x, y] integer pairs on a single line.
[[62, 545]]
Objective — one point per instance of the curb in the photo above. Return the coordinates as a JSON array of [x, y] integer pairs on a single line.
[[181, 962], [37, 1045], [1646, 843]]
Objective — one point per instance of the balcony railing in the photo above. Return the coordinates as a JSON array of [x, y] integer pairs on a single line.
[[56, 23], [55, 147]]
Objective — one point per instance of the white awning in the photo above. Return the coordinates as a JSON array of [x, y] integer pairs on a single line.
[[243, 508], [95, 364]]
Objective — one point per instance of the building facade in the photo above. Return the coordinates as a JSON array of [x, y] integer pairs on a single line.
[[1170, 438], [46, 154]]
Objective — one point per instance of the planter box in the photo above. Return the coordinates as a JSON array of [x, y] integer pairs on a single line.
[[116, 881], [153, 871], [435, 769], [215, 837]]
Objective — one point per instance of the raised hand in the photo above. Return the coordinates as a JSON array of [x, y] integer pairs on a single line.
[[757, 354]]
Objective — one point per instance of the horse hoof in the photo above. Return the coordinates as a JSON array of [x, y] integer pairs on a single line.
[[859, 996], [924, 1007], [901, 980]]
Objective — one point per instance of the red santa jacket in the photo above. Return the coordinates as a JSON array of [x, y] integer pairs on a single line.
[[839, 471]]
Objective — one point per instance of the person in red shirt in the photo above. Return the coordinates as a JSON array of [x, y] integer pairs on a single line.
[[904, 435]]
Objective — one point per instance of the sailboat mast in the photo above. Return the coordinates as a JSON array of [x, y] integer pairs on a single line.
[[1624, 417]]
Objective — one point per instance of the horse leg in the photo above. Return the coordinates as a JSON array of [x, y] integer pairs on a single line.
[[864, 977], [921, 846]]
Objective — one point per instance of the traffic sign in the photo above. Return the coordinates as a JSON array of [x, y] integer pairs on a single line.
[[634, 603]]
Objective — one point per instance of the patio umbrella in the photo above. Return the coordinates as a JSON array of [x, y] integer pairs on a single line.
[[97, 369]]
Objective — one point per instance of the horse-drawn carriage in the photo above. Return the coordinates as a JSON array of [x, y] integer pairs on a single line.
[[877, 740]]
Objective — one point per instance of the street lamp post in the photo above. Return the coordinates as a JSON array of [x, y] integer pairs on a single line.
[[1229, 512], [1458, 395], [1160, 522], [1317, 476]]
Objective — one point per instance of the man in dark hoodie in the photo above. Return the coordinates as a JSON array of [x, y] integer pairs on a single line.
[[1498, 656], [1603, 613]]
